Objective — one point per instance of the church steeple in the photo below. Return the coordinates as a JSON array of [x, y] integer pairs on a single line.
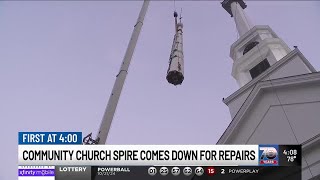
[[257, 48], [236, 9], [277, 87]]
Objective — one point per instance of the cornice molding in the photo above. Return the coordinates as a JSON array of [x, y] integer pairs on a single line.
[[261, 86], [290, 56]]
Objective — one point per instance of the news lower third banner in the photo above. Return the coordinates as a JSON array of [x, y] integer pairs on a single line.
[[61, 155], [159, 155]]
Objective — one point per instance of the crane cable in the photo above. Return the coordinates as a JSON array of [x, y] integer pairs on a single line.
[[180, 15], [181, 53]]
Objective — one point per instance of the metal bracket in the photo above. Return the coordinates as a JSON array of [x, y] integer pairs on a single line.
[[88, 140], [138, 23], [120, 72]]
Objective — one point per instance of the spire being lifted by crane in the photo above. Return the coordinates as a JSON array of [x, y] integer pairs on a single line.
[[176, 63], [174, 74]]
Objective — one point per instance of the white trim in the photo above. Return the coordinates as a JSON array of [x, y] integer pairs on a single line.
[[306, 145], [262, 85], [251, 34], [284, 60]]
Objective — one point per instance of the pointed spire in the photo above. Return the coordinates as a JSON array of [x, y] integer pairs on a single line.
[[236, 9]]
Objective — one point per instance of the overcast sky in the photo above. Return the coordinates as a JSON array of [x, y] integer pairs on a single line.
[[59, 61]]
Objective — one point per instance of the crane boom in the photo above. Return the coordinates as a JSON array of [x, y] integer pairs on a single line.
[[120, 79]]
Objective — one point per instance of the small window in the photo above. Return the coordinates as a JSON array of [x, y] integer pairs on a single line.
[[249, 47], [260, 68]]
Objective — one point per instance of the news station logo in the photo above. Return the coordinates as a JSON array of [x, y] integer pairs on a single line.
[[268, 155]]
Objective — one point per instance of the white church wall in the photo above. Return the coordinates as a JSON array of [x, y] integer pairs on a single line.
[[236, 103], [265, 121], [278, 51], [263, 124], [294, 100], [241, 67], [264, 34], [312, 157], [296, 66], [302, 105], [273, 128], [272, 49], [306, 124], [251, 120]]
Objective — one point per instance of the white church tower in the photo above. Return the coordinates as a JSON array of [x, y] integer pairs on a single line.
[[278, 100]]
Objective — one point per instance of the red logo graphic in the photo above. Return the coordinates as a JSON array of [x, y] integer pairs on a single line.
[[211, 171], [270, 161]]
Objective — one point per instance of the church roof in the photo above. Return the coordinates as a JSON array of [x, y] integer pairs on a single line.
[[261, 82]]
